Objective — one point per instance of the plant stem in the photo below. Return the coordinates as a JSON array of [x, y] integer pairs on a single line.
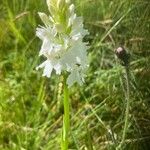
[[66, 118], [127, 96]]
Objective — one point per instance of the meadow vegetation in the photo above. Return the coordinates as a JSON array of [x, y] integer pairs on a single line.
[[31, 105]]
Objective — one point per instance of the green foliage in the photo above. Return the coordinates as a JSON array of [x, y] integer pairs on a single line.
[[31, 106]]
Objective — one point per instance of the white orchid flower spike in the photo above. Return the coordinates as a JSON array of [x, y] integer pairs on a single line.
[[63, 47]]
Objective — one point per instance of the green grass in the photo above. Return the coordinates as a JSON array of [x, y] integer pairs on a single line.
[[31, 106]]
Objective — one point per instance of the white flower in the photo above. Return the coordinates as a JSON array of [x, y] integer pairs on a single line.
[[63, 46]]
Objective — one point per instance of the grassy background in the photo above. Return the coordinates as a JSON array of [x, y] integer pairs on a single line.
[[31, 106]]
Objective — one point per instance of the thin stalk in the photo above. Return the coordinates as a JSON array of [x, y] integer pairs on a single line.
[[66, 118], [127, 96]]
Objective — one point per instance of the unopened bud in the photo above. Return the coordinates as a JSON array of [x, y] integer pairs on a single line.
[[59, 27], [71, 8], [122, 55], [52, 6], [68, 1], [60, 4], [45, 19]]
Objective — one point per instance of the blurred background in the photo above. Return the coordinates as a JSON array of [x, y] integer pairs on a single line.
[[31, 106]]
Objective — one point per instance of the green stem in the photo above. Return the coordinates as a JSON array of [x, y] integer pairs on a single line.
[[127, 96], [66, 118]]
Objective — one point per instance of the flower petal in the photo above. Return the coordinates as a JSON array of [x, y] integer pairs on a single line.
[[48, 67], [74, 77]]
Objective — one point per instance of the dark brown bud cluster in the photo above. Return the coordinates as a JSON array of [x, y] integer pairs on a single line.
[[122, 55]]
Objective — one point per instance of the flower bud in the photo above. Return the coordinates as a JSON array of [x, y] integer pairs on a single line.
[[68, 1], [45, 19], [122, 55], [52, 6], [71, 8], [48, 4], [59, 27], [60, 4]]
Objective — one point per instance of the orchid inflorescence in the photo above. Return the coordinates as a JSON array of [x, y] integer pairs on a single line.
[[63, 45]]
